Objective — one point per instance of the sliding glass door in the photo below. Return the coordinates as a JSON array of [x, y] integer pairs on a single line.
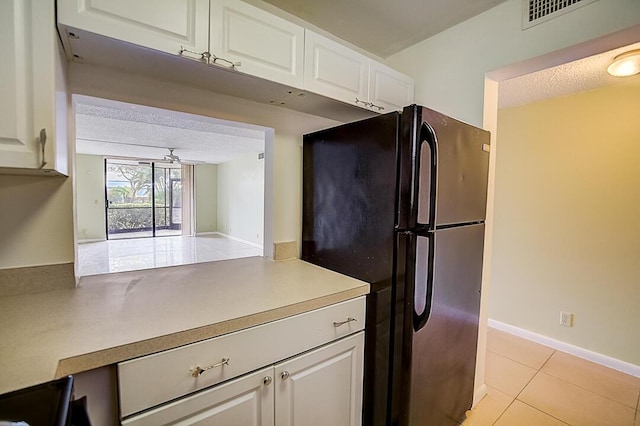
[[168, 199], [143, 199]]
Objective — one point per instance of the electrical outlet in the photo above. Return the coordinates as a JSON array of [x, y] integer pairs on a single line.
[[566, 319]]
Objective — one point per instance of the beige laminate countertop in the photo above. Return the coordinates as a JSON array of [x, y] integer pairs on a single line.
[[115, 317]]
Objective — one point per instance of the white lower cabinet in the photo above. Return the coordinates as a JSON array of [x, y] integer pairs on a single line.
[[321, 387], [244, 401], [301, 370]]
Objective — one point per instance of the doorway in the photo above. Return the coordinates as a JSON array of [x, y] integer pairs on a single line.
[[199, 182], [143, 199]]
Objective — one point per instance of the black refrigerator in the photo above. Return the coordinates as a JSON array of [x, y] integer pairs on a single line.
[[398, 201]]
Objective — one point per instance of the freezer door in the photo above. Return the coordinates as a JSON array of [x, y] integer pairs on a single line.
[[444, 273], [452, 171], [348, 194]]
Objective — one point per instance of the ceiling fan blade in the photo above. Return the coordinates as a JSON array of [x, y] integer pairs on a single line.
[[192, 162]]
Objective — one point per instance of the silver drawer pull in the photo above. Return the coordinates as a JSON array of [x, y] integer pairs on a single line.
[[195, 372], [348, 320], [266, 381], [284, 375]]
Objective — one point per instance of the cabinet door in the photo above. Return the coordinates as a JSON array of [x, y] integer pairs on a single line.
[[163, 25], [247, 401], [388, 88], [265, 45], [32, 89], [17, 141], [322, 387], [334, 70]]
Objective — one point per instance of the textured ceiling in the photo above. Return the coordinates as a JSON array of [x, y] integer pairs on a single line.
[[562, 80], [118, 129], [384, 27]]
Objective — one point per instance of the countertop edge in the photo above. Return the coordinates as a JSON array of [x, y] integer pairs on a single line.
[[89, 361]]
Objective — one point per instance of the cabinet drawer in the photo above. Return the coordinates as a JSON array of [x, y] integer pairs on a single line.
[[147, 381], [247, 400]]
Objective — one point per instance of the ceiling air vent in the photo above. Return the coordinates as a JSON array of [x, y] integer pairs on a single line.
[[538, 11]]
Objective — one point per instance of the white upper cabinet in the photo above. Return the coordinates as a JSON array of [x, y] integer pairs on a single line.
[[334, 70], [16, 120], [34, 99], [389, 89], [245, 39], [165, 25], [262, 44]]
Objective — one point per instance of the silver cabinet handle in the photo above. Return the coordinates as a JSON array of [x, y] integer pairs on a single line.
[[284, 375], [42, 140], [369, 105], [347, 321], [196, 372], [204, 56], [266, 381], [360, 101], [209, 58], [229, 64]]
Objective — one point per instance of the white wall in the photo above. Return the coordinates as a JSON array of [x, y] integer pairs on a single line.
[[241, 198], [449, 68], [206, 197], [566, 235], [89, 192]]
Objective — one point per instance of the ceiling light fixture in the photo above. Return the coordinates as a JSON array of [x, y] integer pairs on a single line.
[[625, 64]]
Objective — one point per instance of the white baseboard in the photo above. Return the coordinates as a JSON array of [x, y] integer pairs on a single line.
[[231, 237], [91, 240], [200, 234], [479, 393], [598, 358]]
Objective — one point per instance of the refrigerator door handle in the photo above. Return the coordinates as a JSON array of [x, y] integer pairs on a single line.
[[429, 179], [423, 279]]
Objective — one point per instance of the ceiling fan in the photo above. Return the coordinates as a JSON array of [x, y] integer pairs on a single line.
[[171, 157]]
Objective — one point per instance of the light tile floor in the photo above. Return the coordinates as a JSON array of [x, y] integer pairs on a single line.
[[533, 385], [145, 253]]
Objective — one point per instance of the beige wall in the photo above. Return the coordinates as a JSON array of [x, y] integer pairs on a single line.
[[206, 196], [566, 233], [89, 193], [36, 221], [241, 198], [288, 175]]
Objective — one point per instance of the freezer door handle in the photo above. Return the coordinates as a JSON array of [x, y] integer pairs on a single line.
[[423, 279], [426, 187]]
